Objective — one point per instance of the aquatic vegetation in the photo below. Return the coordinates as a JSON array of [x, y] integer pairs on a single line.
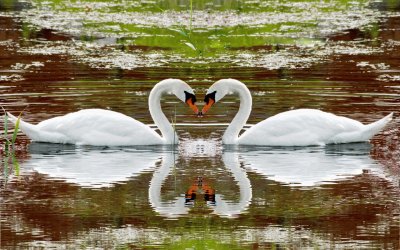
[[132, 34], [8, 147]]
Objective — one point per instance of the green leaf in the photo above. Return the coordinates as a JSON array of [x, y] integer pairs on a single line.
[[6, 167], [16, 164], [180, 31], [190, 45], [159, 8], [191, 16], [5, 125], [6, 148], [14, 137]]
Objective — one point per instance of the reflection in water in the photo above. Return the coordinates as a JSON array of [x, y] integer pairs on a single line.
[[290, 214], [309, 166], [93, 167], [168, 209], [216, 202], [201, 187], [228, 208], [90, 167]]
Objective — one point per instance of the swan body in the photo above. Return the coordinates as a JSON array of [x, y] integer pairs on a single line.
[[301, 127], [304, 127], [91, 127], [101, 127]]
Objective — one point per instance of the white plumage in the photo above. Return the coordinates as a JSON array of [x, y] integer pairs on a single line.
[[97, 127], [301, 127], [101, 127]]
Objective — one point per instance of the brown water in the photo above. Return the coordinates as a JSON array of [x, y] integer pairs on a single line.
[[338, 196]]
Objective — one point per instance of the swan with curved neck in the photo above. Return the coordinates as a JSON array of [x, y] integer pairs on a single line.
[[101, 127], [301, 127]]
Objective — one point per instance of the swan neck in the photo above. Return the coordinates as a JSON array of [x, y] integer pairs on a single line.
[[160, 120], [231, 135]]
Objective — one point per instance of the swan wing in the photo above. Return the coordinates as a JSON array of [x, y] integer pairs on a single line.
[[97, 127], [300, 127]]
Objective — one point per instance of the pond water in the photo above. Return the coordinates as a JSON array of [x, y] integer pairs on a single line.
[[341, 56]]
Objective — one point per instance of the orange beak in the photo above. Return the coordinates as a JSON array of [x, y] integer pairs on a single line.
[[207, 106], [192, 105]]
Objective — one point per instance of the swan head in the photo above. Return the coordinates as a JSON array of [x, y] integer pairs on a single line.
[[190, 99], [217, 91], [184, 93]]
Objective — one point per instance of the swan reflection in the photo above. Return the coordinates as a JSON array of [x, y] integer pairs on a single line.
[[104, 167], [309, 166], [182, 204], [91, 167], [294, 166]]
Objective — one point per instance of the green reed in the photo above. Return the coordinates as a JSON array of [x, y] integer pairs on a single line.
[[187, 34], [173, 123], [9, 147], [191, 16]]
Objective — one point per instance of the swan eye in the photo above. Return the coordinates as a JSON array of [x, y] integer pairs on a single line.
[[210, 96], [190, 96]]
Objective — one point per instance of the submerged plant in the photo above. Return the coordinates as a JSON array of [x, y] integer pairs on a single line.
[[9, 147]]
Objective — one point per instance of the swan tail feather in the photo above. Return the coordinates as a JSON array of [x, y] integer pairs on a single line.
[[29, 129], [375, 127]]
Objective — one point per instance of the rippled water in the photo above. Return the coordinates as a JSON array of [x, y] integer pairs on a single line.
[[338, 56]]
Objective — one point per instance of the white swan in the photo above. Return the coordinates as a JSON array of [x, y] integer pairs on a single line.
[[101, 127], [299, 127]]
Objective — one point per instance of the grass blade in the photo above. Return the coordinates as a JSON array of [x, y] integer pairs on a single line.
[[180, 31], [190, 45], [159, 8], [14, 137], [191, 16], [173, 123], [6, 168], [6, 147], [5, 125], [16, 164]]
